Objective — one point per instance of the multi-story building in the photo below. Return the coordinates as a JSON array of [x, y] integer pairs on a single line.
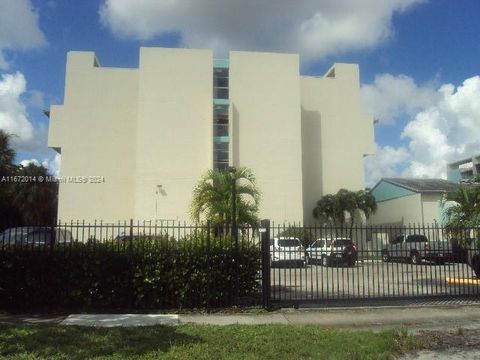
[[149, 133], [464, 170]]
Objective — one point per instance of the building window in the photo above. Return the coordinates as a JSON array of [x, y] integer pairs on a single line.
[[220, 119]]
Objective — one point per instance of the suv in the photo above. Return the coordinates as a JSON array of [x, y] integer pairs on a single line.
[[286, 250], [417, 248], [332, 251]]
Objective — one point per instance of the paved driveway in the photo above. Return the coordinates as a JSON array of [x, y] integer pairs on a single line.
[[371, 279]]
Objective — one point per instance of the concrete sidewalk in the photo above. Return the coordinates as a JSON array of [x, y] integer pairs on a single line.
[[431, 317], [374, 318]]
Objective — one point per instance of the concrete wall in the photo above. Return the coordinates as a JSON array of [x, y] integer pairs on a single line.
[[174, 131], [398, 212], [99, 105], [337, 133], [266, 114], [148, 133], [431, 208]]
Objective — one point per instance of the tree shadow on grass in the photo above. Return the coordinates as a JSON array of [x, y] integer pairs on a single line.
[[74, 342]]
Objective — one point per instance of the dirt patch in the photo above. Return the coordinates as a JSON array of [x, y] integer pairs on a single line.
[[439, 340]]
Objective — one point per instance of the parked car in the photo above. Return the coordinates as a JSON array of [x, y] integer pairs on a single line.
[[287, 250], [329, 251], [125, 237], [416, 248], [34, 236]]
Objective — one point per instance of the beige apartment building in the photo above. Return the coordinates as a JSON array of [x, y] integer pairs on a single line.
[[135, 141]]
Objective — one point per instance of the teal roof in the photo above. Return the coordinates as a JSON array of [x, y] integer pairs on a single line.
[[393, 188], [386, 191]]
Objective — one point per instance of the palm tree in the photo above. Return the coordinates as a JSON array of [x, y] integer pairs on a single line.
[[328, 210], [333, 208], [366, 203], [213, 201], [464, 214]]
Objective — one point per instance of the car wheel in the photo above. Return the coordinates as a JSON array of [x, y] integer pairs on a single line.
[[351, 263], [385, 256], [415, 259], [325, 261], [308, 261]]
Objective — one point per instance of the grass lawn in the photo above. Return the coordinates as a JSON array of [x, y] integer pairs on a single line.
[[197, 342]]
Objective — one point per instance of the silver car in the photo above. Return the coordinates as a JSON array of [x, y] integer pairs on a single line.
[[329, 251]]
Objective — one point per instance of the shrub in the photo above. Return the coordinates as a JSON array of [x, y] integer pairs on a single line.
[[140, 274]]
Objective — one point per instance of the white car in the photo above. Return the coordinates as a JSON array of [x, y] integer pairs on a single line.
[[330, 251], [287, 250]]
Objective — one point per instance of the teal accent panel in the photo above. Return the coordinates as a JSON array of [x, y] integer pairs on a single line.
[[221, 63], [386, 191], [221, 101], [454, 175], [221, 139]]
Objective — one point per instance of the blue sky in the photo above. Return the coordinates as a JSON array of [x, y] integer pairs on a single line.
[[419, 61]]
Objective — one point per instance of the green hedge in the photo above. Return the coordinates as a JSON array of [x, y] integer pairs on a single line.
[[143, 274]]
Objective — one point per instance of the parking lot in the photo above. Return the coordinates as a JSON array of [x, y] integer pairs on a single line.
[[372, 279]]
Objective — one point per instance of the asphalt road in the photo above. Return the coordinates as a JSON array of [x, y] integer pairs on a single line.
[[371, 279]]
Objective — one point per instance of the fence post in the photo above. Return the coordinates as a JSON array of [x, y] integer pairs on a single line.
[[131, 235], [265, 257]]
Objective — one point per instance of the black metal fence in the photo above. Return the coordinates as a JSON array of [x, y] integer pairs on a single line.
[[171, 264], [129, 265], [314, 264]]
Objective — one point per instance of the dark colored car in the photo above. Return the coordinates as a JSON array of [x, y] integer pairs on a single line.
[[34, 236]]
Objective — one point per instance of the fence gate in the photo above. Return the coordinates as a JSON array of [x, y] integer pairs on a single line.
[[325, 264]]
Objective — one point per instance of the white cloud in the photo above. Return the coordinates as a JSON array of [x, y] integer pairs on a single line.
[[314, 28], [18, 28], [36, 99], [13, 114], [52, 164], [446, 131], [390, 97], [387, 162], [28, 162], [26, 136], [443, 132]]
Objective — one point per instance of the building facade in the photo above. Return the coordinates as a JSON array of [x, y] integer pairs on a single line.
[[142, 137], [410, 202], [464, 170]]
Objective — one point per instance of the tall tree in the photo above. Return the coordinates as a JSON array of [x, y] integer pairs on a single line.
[[8, 214], [366, 203], [463, 214], [334, 208], [213, 198], [35, 198], [328, 210]]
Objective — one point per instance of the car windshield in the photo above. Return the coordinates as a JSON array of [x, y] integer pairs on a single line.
[[289, 242], [342, 242]]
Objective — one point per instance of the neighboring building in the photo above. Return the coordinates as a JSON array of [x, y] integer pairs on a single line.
[[404, 202], [152, 131], [463, 170]]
